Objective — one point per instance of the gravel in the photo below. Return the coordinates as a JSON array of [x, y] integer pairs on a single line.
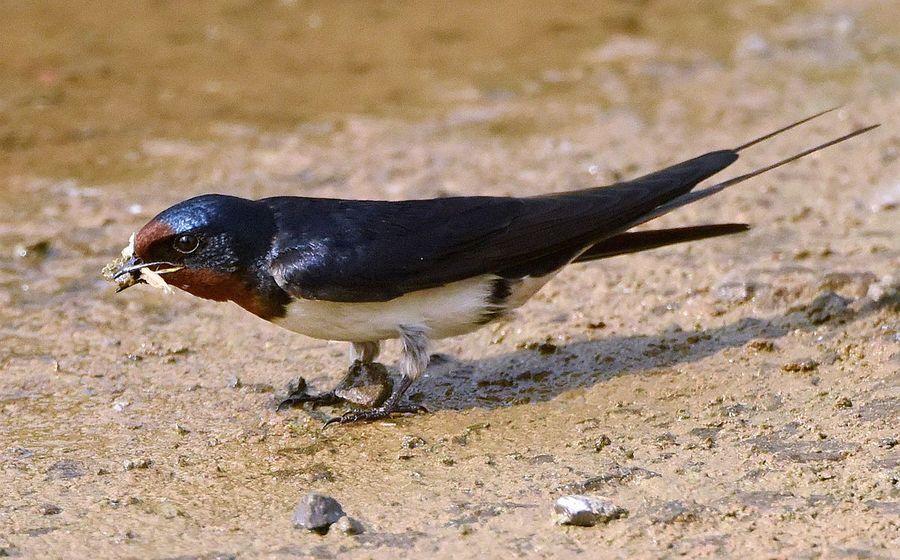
[[349, 526], [585, 511], [317, 512]]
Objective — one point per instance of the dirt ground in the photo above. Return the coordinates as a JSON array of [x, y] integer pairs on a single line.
[[739, 397]]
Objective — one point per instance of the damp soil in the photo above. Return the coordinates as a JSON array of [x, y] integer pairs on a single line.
[[738, 396]]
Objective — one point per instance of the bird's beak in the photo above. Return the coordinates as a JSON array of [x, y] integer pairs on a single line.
[[132, 272], [128, 274]]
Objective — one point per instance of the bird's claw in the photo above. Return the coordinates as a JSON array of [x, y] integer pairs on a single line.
[[298, 399], [373, 414]]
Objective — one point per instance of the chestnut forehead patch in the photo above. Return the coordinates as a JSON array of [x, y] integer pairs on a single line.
[[149, 234]]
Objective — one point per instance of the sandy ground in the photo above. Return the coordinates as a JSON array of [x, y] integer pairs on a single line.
[[739, 397]]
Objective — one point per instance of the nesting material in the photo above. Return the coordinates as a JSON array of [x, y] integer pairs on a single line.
[[145, 274]]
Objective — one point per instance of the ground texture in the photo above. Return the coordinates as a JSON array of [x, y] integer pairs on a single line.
[[739, 397]]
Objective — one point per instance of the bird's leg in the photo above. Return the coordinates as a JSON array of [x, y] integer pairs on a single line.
[[362, 357], [413, 361]]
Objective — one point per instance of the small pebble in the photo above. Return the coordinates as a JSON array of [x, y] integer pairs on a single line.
[[585, 511], [317, 512], [131, 464], [675, 511], [882, 288], [65, 469], [411, 442], [295, 386], [735, 291], [35, 251], [349, 526], [827, 307], [761, 345], [50, 509], [801, 366], [543, 348], [601, 442], [843, 402]]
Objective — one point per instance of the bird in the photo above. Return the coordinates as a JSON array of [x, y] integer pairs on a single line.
[[367, 271]]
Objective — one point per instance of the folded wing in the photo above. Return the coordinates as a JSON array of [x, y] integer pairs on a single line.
[[354, 251], [346, 250]]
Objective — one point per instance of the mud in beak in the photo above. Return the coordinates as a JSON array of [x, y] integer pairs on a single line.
[[136, 271], [128, 274]]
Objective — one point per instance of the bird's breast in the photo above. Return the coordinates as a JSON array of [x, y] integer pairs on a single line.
[[450, 310]]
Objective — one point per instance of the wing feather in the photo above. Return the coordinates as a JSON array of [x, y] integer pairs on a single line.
[[351, 250], [348, 250]]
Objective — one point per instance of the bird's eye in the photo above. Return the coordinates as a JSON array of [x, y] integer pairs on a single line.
[[186, 243]]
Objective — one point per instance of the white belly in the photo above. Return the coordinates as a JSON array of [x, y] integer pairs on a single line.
[[450, 310]]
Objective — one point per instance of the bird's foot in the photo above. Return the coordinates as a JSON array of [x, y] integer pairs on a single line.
[[373, 414], [365, 384], [298, 396], [315, 401]]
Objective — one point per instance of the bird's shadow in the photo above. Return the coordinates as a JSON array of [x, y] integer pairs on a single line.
[[545, 371]]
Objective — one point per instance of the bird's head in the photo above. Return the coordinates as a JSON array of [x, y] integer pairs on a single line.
[[211, 246]]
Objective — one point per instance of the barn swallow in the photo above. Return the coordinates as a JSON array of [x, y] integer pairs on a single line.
[[365, 271]]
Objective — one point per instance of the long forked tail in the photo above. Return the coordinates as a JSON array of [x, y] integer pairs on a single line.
[[694, 196], [631, 242], [635, 241], [774, 133]]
